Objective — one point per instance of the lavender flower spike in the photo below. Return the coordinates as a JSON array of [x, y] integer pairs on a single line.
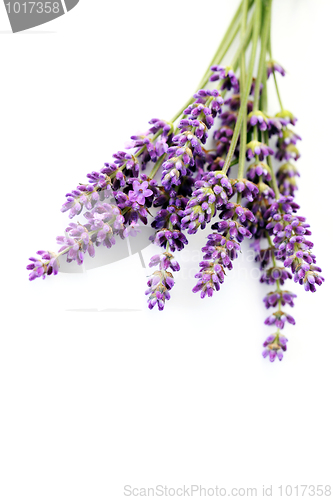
[[213, 191], [275, 345], [105, 221], [44, 266], [161, 281], [228, 77], [258, 119], [258, 148]]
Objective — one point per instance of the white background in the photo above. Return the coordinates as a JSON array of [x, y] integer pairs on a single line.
[[92, 401]]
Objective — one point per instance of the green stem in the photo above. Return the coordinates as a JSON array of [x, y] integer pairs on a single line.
[[264, 96], [218, 59], [243, 96], [224, 46], [243, 108], [274, 262], [234, 162], [274, 75], [277, 91], [262, 60], [266, 139], [157, 166], [155, 136], [244, 43], [270, 164], [219, 54]]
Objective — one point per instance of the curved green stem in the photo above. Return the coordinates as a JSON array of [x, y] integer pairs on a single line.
[[157, 166], [274, 75], [243, 108], [244, 43], [220, 54], [277, 91], [266, 139], [262, 60], [243, 96], [224, 46], [274, 263]]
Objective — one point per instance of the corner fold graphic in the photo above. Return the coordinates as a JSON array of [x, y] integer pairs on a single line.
[[24, 15], [70, 4]]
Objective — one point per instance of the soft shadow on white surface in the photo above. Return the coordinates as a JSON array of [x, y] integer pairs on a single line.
[[95, 310]]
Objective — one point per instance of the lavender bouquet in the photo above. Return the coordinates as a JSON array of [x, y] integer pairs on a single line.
[[169, 179]]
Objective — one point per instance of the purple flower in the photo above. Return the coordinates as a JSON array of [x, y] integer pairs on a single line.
[[150, 145], [159, 285], [257, 119], [193, 134], [285, 204], [132, 210], [265, 191], [228, 77], [138, 141], [305, 274], [140, 192], [258, 148], [220, 250], [272, 299], [44, 266], [290, 232], [273, 66], [153, 147], [164, 261], [176, 239], [253, 87], [275, 126], [287, 117], [274, 274], [223, 137], [162, 280], [169, 217], [209, 278], [180, 156], [213, 191], [233, 210], [232, 229], [275, 345], [264, 256], [279, 318], [234, 103], [287, 152], [248, 189], [229, 118], [259, 169], [286, 178], [207, 104], [101, 184], [222, 246], [105, 221]]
